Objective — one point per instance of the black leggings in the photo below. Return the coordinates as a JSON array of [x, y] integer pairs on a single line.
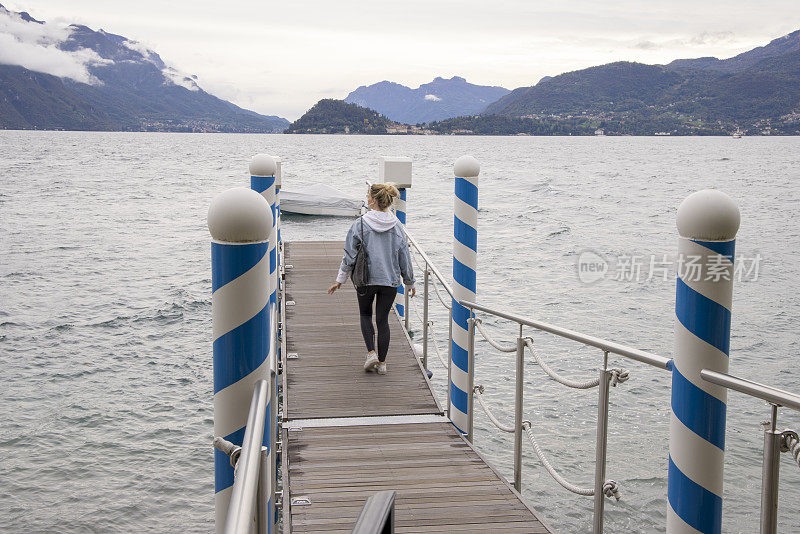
[[385, 298]]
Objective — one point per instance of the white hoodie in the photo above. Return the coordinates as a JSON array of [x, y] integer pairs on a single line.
[[380, 221]]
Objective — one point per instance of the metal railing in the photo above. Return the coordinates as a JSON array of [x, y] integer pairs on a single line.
[[427, 324], [774, 441], [252, 478], [255, 474], [603, 383]]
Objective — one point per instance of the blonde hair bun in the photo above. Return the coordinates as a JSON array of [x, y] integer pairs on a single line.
[[384, 194], [391, 188]]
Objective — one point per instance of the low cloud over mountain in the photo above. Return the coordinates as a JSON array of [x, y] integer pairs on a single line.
[[58, 76], [34, 44]]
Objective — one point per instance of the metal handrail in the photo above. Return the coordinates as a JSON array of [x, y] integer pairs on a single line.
[[245, 484], [776, 397], [607, 346], [252, 487], [770, 394], [377, 516], [430, 264]]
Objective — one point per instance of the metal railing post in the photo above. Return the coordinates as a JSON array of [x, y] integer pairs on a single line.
[[600, 447], [471, 374], [518, 412], [425, 319], [770, 475]]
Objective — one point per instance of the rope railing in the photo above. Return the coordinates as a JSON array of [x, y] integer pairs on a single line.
[[433, 283], [413, 305], [439, 295], [479, 395], [432, 336], [610, 487], [787, 441], [617, 375], [415, 260], [792, 445], [436, 345], [414, 253], [492, 342]]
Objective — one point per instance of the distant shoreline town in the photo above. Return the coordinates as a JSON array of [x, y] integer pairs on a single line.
[[338, 117]]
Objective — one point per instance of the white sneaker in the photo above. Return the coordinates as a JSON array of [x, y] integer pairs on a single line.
[[371, 362], [381, 368]]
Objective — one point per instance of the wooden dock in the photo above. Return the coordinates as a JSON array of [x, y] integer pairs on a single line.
[[348, 434]]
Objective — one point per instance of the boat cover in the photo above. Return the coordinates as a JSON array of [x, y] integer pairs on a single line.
[[319, 199]]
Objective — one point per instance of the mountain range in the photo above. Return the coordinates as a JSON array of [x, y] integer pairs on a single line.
[[76, 78], [781, 46], [756, 88], [73, 77], [757, 91], [437, 100]]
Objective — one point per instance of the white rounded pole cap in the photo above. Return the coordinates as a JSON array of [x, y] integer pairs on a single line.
[[708, 215], [466, 167], [239, 215], [263, 165]]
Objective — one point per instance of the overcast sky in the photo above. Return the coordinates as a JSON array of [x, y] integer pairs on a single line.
[[279, 58]]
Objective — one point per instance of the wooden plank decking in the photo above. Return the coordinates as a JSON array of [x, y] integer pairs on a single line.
[[349, 434]]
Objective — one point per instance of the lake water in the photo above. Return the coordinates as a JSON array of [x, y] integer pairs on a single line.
[[105, 309]]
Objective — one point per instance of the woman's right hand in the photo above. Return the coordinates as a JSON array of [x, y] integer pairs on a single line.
[[334, 287]]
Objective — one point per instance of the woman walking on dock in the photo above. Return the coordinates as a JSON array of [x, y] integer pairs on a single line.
[[388, 259]]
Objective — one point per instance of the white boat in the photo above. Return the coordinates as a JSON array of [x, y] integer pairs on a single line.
[[320, 199]]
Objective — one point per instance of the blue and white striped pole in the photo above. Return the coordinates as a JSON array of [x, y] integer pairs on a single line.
[[400, 205], [279, 320], [262, 180], [398, 171], [239, 221], [400, 212], [278, 241], [465, 258], [707, 223]]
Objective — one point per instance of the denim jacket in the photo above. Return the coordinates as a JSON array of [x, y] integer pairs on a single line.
[[388, 256]]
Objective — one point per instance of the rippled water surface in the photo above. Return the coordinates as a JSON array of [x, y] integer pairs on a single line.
[[105, 309]]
